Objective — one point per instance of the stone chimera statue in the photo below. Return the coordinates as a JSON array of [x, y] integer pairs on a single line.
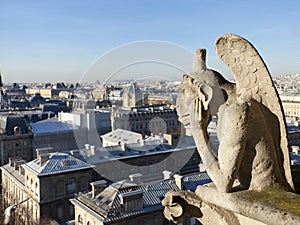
[[251, 128]]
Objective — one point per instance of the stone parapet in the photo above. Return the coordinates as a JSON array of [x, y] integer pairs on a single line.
[[252, 207]]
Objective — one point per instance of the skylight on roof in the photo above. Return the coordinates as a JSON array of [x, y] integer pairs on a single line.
[[66, 162]]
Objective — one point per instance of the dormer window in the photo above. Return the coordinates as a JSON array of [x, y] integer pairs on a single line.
[[71, 185], [17, 130], [131, 200], [66, 162]]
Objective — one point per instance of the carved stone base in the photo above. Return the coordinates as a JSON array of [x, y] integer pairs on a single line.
[[249, 207], [212, 207]]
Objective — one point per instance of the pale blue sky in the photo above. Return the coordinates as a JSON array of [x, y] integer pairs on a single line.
[[57, 40]]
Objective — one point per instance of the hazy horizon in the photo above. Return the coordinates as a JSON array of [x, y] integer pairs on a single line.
[[54, 41]]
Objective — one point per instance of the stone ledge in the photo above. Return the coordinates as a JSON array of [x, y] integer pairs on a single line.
[[268, 207]]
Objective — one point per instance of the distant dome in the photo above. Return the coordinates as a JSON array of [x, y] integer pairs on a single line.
[[37, 98]]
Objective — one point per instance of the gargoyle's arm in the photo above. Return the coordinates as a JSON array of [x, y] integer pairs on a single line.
[[223, 170]]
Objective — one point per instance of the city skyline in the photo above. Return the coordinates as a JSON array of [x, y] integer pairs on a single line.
[[59, 41]]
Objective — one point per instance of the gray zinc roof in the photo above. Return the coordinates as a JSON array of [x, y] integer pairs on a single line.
[[57, 163], [190, 182], [50, 126], [123, 136], [107, 203], [9, 122]]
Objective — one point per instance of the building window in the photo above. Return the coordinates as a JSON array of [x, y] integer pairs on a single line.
[[82, 184], [24, 153], [17, 130], [36, 211], [31, 185], [28, 182], [88, 223], [60, 212], [80, 220], [71, 210], [59, 188], [71, 186], [36, 189]]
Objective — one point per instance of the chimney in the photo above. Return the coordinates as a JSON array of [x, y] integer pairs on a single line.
[[40, 151], [12, 160], [136, 177], [97, 187], [17, 164], [167, 174], [21, 170], [43, 158], [87, 146], [295, 150], [178, 181], [142, 143], [123, 146], [92, 147]]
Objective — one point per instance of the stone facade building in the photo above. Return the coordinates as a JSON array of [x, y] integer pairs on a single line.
[[55, 134], [100, 93], [49, 90], [291, 104], [147, 157], [46, 183], [147, 120], [291, 109], [119, 137], [15, 138], [131, 202]]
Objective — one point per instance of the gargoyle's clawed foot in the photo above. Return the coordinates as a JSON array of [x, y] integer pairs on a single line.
[[177, 204]]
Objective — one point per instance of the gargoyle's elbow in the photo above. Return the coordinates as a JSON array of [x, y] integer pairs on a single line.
[[224, 188]]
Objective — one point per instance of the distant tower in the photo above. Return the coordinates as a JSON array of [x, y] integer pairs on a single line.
[[1, 83], [1, 90], [132, 96], [145, 99]]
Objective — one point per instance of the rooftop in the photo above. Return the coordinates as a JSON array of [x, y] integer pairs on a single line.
[[132, 150], [56, 163], [10, 124], [49, 126], [108, 203], [13, 172], [122, 136]]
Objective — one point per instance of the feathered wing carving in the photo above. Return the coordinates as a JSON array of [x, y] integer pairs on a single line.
[[252, 77]]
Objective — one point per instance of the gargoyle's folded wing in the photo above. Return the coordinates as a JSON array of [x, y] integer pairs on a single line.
[[253, 79]]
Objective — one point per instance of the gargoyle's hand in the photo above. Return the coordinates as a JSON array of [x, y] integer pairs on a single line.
[[173, 211], [200, 117], [180, 203]]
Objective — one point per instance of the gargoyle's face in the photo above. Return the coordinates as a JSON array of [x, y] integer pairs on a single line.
[[184, 103]]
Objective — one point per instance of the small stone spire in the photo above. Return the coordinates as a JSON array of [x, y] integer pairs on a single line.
[[1, 83], [199, 63]]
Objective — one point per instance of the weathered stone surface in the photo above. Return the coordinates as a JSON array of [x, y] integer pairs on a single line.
[[268, 207], [251, 130], [252, 135]]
